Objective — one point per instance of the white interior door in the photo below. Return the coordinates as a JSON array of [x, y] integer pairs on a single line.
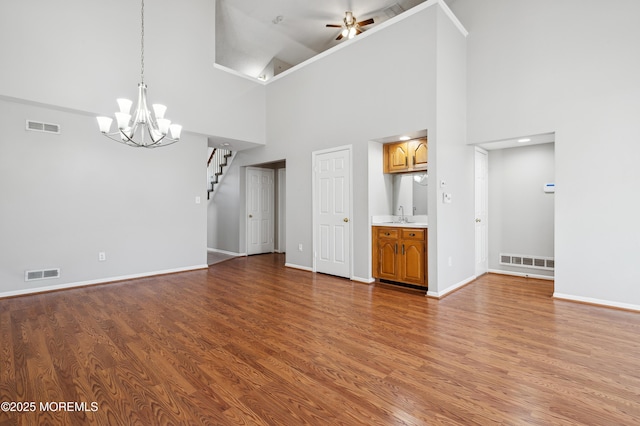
[[260, 210], [481, 210], [332, 212]]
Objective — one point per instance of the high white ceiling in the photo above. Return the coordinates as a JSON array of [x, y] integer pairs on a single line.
[[250, 33]]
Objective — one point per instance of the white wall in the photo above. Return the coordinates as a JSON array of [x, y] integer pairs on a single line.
[[395, 84], [569, 67], [380, 184], [520, 212], [306, 112], [451, 226], [83, 55], [67, 197]]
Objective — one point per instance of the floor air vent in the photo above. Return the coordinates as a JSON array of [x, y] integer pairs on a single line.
[[537, 262], [41, 274], [37, 126]]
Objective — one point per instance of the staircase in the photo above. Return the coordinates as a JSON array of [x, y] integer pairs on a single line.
[[218, 159]]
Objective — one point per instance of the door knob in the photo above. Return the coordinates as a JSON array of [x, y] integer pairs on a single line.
[[346, 219]]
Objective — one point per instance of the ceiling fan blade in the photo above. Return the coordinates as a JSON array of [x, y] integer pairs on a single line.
[[334, 26], [340, 37], [359, 30], [366, 22]]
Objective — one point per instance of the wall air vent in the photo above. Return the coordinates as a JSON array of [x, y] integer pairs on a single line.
[[41, 274], [527, 261], [38, 126]]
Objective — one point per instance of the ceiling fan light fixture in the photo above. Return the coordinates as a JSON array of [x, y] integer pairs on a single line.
[[352, 32], [345, 32], [348, 18]]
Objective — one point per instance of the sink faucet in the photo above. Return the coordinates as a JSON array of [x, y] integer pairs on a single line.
[[403, 219]]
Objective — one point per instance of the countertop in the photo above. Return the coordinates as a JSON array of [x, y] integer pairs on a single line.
[[402, 225], [420, 221]]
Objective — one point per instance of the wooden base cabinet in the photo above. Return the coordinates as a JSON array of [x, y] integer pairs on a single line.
[[400, 254]]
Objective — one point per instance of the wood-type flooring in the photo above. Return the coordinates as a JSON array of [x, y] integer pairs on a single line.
[[251, 342]]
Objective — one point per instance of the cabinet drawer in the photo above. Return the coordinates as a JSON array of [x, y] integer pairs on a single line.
[[387, 233], [413, 234]]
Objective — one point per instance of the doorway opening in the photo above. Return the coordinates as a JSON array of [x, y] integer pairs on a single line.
[[519, 230], [265, 208]]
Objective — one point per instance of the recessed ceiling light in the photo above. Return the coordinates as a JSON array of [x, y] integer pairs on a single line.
[[524, 140], [404, 138]]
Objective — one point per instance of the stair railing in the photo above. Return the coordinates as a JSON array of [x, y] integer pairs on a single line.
[[215, 167]]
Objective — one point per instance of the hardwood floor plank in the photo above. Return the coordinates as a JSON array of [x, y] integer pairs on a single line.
[[250, 342]]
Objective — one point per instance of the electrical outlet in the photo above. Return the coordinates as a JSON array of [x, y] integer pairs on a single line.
[[197, 200], [299, 247], [102, 256]]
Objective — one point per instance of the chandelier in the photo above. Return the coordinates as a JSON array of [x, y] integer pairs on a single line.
[[159, 130]]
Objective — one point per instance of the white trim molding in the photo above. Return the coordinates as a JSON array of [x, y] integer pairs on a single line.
[[294, 266], [230, 253], [363, 280], [98, 281], [598, 302], [521, 274], [441, 294]]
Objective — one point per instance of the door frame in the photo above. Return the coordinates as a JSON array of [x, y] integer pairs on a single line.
[[246, 207], [314, 221], [485, 268]]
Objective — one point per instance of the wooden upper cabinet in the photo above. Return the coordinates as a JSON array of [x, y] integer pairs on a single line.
[[419, 151], [404, 157], [396, 157]]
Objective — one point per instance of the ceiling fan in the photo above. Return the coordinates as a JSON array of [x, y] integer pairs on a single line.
[[350, 27]]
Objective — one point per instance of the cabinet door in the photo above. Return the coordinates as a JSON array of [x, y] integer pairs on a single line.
[[396, 157], [412, 262], [387, 259], [419, 154]]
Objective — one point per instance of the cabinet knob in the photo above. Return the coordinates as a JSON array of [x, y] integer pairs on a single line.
[[250, 216], [478, 220], [387, 234], [412, 234]]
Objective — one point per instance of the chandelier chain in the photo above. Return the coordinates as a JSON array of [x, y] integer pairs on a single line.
[[142, 43]]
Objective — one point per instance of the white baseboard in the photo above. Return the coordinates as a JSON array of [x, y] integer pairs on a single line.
[[599, 302], [521, 274], [363, 280], [441, 294], [294, 266], [230, 253], [98, 281]]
